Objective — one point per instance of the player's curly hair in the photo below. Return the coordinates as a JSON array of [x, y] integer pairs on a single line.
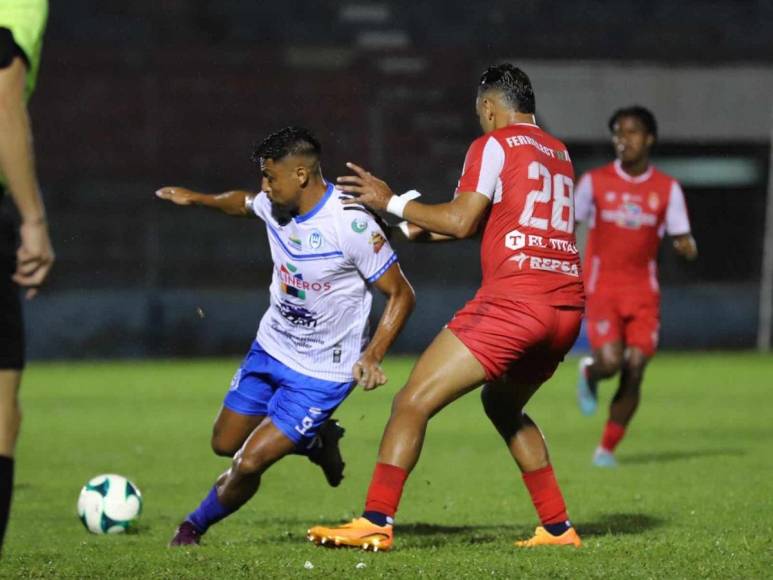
[[287, 141], [513, 83], [642, 113]]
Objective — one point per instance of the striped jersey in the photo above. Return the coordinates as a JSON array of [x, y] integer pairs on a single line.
[[324, 264]]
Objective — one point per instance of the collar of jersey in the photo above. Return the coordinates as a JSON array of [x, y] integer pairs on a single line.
[[631, 178], [299, 219]]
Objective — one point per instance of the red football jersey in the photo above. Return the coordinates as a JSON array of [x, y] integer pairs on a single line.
[[528, 251], [627, 217]]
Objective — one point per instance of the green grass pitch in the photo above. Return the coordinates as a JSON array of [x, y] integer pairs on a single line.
[[693, 497]]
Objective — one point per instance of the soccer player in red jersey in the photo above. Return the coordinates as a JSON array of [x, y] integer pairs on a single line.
[[628, 205], [517, 184]]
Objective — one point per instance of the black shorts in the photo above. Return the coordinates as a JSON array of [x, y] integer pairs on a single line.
[[11, 322]]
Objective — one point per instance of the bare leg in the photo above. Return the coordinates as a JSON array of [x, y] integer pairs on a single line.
[[628, 395], [607, 361], [446, 371], [231, 430], [264, 447], [10, 411], [504, 404]]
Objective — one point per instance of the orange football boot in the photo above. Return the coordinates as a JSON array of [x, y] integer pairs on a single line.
[[359, 533], [544, 538]]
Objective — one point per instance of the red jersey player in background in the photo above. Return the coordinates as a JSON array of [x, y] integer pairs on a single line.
[[628, 205], [517, 183]]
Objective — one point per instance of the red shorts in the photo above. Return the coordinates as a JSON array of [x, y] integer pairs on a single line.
[[633, 318], [524, 341]]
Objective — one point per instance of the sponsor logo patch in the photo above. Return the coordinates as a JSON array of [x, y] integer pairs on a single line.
[[297, 315], [629, 216], [519, 259], [377, 241], [552, 265], [515, 240], [359, 225], [293, 284]]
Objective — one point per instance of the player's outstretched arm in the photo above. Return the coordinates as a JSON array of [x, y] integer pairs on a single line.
[[35, 255], [400, 302], [685, 246], [235, 202], [459, 218]]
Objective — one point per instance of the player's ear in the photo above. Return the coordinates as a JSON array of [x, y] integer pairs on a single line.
[[302, 175], [487, 106], [650, 140]]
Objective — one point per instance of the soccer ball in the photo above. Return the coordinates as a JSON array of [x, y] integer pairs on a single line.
[[109, 504]]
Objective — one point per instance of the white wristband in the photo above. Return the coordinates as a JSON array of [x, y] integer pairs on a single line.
[[397, 203], [396, 206]]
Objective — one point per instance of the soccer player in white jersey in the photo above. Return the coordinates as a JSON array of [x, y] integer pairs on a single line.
[[312, 344]]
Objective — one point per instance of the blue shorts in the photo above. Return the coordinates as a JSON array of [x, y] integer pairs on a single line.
[[296, 403]]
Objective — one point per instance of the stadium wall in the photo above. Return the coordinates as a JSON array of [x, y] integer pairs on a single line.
[[123, 259], [168, 323]]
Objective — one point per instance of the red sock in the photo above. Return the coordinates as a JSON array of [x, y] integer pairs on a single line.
[[546, 495], [386, 487], [613, 434]]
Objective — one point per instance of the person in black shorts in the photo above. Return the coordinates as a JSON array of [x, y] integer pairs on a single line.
[[26, 255]]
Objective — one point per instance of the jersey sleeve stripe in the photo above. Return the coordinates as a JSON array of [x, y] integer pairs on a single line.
[[677, 221], [492, 162], [356, 208], [583, 198], [381, 271]]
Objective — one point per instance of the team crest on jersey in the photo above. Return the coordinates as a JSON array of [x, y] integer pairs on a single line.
[[653, 201], [602, 327], [359, 225], [630, 216], [610, 196], [377, 241], [315, 240]]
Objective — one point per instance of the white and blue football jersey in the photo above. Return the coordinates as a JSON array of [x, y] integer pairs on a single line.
[[324, 263]]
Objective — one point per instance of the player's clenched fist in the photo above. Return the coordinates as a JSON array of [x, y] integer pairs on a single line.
[[177, 195]]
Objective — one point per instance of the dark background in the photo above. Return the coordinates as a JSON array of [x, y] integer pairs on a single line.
[[133, 96]]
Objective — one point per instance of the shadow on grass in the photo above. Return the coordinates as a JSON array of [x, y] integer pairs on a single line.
[[627, 523], [429, 535], [432, 535], [618, 524], [667, 456]]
